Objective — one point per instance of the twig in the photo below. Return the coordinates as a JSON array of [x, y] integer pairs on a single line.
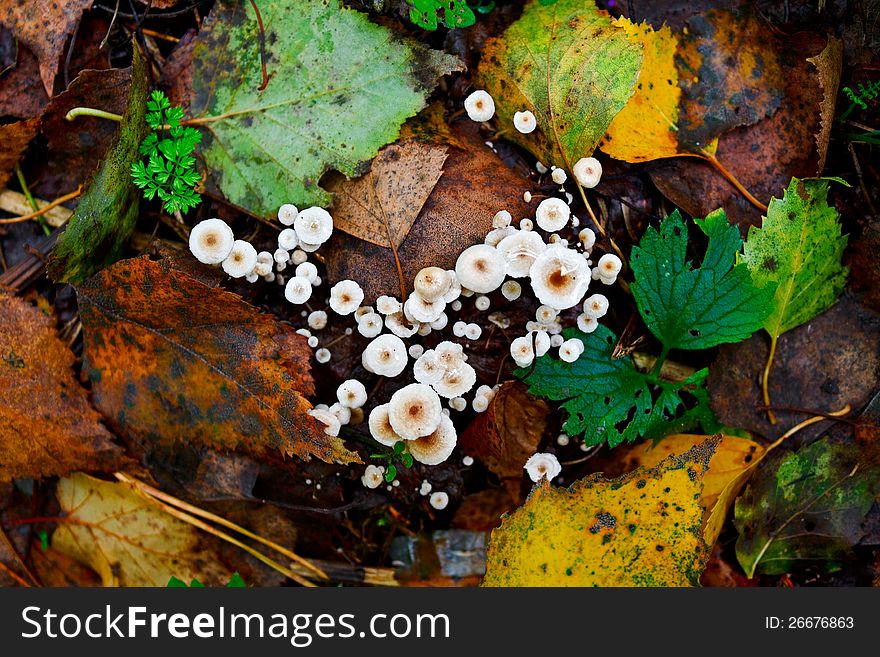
[[33, 215], [262, 47], [803, 425], [91, 111], [720, 168]]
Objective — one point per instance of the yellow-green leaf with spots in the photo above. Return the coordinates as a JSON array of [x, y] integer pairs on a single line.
[[642, 529]]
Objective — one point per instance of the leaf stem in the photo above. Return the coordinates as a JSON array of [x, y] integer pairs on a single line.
[[711, 159], [91, 111], [33, 215], [658, 365], [765, 379]]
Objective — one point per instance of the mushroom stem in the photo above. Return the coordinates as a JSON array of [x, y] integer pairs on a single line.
[[765, 380], [91, 111]]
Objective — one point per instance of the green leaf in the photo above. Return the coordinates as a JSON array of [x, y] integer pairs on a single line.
[[609, 401], [455, 13], [571, 67], [696, 308], [107, 212], [798, 249], [339, 89], [804, 508]]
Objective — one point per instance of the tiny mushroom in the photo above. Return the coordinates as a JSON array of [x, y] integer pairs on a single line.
[[373, 476], [313, 226], [519, 251], [287, 239], [439, 500], [524, 122], [287, 214], [609, 266], [388, 305], [431, 283], [522, 352], [542, 465], [317, 320], [437, 446], [428, 368], [414, 411], [241, 259], [351, 393], [211, 241], [552, 214], [596, 305], [479, 106], [560, 277], [480, 268], [380, 427], [346, 297], [370, 325], [298, 290], [385, 355], [587, 171]]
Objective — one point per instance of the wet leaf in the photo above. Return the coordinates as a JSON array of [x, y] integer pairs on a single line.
[[828, 65], [381, 206], [129, 540], [696, 308], [22, 94], [108, 209], [14, 138], [46, 37], [508, 433], [609, 401], [172, 359], [330, 102], [47, 426], [569, 65], [642, 529], [805, 508]]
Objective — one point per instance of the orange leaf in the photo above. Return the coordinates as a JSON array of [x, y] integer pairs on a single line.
[[47, 426], [173, 359]]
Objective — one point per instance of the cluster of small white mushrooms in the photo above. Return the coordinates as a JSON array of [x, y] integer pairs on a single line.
[[558, 271]]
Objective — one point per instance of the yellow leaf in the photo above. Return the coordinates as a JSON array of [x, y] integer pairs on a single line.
[[129, 540], [642, 529], [729, 468], [646, 128]]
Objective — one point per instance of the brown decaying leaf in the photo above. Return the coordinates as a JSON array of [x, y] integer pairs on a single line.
[[474, 186], [508, 433], [21, 93], [47, 426], [482, 511], [828, 64], [763, 157], [172, 359], [44, 26], [77, 147], [821, 366], [14, 138], [381, 206]]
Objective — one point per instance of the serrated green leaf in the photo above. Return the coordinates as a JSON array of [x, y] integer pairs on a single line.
[[609, 401], [107, 212], [696, 308], [798, 248], [340, 87], [570, 66], [804, 508]]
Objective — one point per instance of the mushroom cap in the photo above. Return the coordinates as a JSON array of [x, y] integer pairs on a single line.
[[241, 259], [596, 305], [385, 355], [439, 500], [609, 266], [473, 331], [307, 270], [587, 171], [587, 236], [313, 225], [431, 283], [440, 323], [352, 393], [519, 251], [450, 353], [370, 325], [380, 427], [400, 326], [329, 420], [298, 290], [317, 319], [511, 290], [428, 368], [346, 297], [524, 122], [552, 214], [436, 447], [586, 323], [560, 277], [559, 176], [388, 305], [414, 411], [418, 309], [482, 302], [454, 289], [570, 350], [342, 412], [457, 380], [545, 314], [502, 219], [521, 351], [480, 268], [542, 343], [479, 106], [542, 465], [287, 214], [494, 236], [211, 241], [373, 476], [287, 239]]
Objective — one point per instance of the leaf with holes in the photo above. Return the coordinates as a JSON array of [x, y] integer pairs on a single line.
[[609, 401], [642, 529], [696, 308], [339, 89], [569, 65]]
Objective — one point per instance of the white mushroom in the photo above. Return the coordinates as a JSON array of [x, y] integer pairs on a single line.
[[346, 297], [342, 412], [380, 428], [322, 355], [436, 447], [552, 214], [454, 290], [522, 352], [307, 270], [418, 309], [571, 350], [385, 355], [388, 305], [439, 500], [559, 176], [400, 325], [587, 236], [287, 239], [587, 171], [317, 320], [609, 266], [351, 393], [586, 323], [313, 226], [542, 343], [545, 314], [431, 283], [329, 420], [298, 290], [519, 251], [511, 290], [560, 277], [211, 241], [479, 106], [414, 411], [524, 122], [287, 214], [428, 368], [456, 381], [241, 259], [542, 465], [473, 331], [480, 268], [482, 302], [596, 306], [373, 476], [370, 325], [501, 219]]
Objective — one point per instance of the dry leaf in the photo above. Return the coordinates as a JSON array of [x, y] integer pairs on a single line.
[[14, 138], [828, 64], [47, 426], [172, 359], [508, 433], [129, 540], [21, 92], [46, 36], [381, 206]]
